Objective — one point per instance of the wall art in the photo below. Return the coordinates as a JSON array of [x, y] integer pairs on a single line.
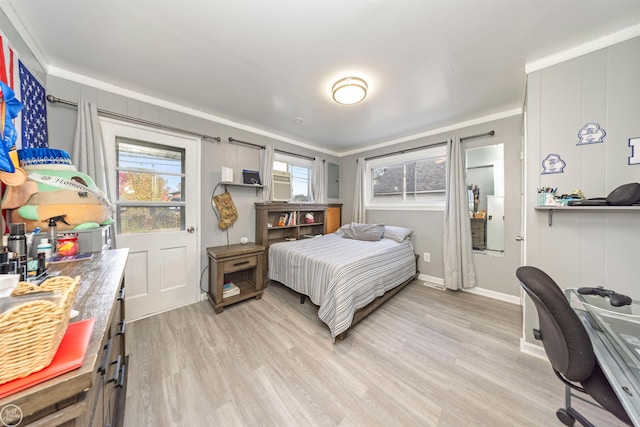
[[634, 143], [591, 133], [553, 164]]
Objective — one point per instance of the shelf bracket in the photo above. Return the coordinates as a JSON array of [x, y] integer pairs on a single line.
[[550, 217]]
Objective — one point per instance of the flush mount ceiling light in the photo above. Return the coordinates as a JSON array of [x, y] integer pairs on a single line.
[[349, 90]]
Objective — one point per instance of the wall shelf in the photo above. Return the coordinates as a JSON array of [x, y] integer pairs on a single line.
[[237, 184], [585, 209]]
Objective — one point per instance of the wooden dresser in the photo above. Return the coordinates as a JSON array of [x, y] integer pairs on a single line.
[[94, 394]]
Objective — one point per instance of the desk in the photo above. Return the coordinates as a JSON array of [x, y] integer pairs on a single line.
[[615, 335], [87, 396]]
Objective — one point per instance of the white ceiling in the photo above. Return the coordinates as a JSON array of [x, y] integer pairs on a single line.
[[265, 63]]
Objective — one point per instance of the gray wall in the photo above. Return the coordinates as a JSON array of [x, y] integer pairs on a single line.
[[494, 273], [586, 249]]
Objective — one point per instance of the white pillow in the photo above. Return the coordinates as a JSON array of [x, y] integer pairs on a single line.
[[340, 231], [368, 232], [396, 233]]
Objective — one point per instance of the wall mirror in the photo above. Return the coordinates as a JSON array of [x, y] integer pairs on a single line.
[[485, 179]]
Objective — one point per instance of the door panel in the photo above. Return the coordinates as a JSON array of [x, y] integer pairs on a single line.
[[156, 206]]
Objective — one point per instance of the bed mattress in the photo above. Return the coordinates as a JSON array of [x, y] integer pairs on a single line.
[[341, 275]]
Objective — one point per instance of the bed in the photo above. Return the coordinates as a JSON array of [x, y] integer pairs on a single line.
[[346, 277]]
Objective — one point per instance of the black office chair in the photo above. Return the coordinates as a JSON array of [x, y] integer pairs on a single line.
[[568, 348]]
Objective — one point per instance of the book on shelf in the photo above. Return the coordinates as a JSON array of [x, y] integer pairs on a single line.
[[283, 219], [229, 289]]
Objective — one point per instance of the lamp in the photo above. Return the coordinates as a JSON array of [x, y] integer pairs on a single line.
[[349, 90]]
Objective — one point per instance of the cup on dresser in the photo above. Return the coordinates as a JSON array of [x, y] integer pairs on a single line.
[[244, 240]]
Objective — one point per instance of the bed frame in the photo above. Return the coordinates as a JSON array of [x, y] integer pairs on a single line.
[[361, 313]]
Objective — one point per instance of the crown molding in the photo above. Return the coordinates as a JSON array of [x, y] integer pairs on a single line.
[[6, 8], [438, 131], [108, 87], [583, 49]]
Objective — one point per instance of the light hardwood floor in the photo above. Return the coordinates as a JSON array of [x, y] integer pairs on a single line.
[[425, 358]]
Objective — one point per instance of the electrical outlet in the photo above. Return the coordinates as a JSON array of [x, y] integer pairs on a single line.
[[427, 257]]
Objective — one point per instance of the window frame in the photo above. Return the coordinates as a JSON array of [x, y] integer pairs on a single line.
[[121, 203], [433, 203], [300, 162]]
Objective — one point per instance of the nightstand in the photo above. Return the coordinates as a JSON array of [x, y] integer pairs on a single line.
[[240, 264]]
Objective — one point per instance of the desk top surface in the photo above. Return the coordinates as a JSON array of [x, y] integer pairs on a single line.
[[101, 276], [620, 325], [615, 334]]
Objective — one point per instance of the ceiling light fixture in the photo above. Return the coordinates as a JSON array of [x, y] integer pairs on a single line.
[[349, 90]]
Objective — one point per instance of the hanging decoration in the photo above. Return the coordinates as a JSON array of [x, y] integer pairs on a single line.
[[553, 164], [591, 133]]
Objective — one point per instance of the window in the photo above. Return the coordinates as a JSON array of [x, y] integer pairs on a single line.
[[150, 181], [415, 179], [300, 170]]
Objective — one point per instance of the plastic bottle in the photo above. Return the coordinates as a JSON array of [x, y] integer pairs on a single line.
[[46, 248], [53, 235]]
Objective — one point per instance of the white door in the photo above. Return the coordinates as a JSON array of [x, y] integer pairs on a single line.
[[154, 181]]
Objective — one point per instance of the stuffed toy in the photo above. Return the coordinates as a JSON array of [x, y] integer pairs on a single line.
[[55, 189]]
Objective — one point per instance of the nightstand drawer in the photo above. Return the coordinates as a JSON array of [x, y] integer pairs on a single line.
[[239, 263]]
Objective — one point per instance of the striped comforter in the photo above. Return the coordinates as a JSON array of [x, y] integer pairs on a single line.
[[341, 275]]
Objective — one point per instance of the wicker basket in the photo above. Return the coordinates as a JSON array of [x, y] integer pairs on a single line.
[[31, 332]]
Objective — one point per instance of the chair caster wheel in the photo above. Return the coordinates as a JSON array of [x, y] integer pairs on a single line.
[[564, 417]]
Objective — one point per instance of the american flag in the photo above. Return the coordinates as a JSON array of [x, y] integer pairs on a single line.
[[8, 64], [34, 115], [31, 124]]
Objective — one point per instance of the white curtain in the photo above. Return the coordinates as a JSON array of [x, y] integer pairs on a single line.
[[459, 272], [319, 181], [359, 212], [88, 151], [266, 168]]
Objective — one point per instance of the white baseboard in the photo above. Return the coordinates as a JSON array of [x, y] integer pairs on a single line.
[[438, 283], [431, 281], [533, 350], [495, 295]]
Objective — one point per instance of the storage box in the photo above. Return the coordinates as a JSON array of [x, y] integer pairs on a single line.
[[95, 240]]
